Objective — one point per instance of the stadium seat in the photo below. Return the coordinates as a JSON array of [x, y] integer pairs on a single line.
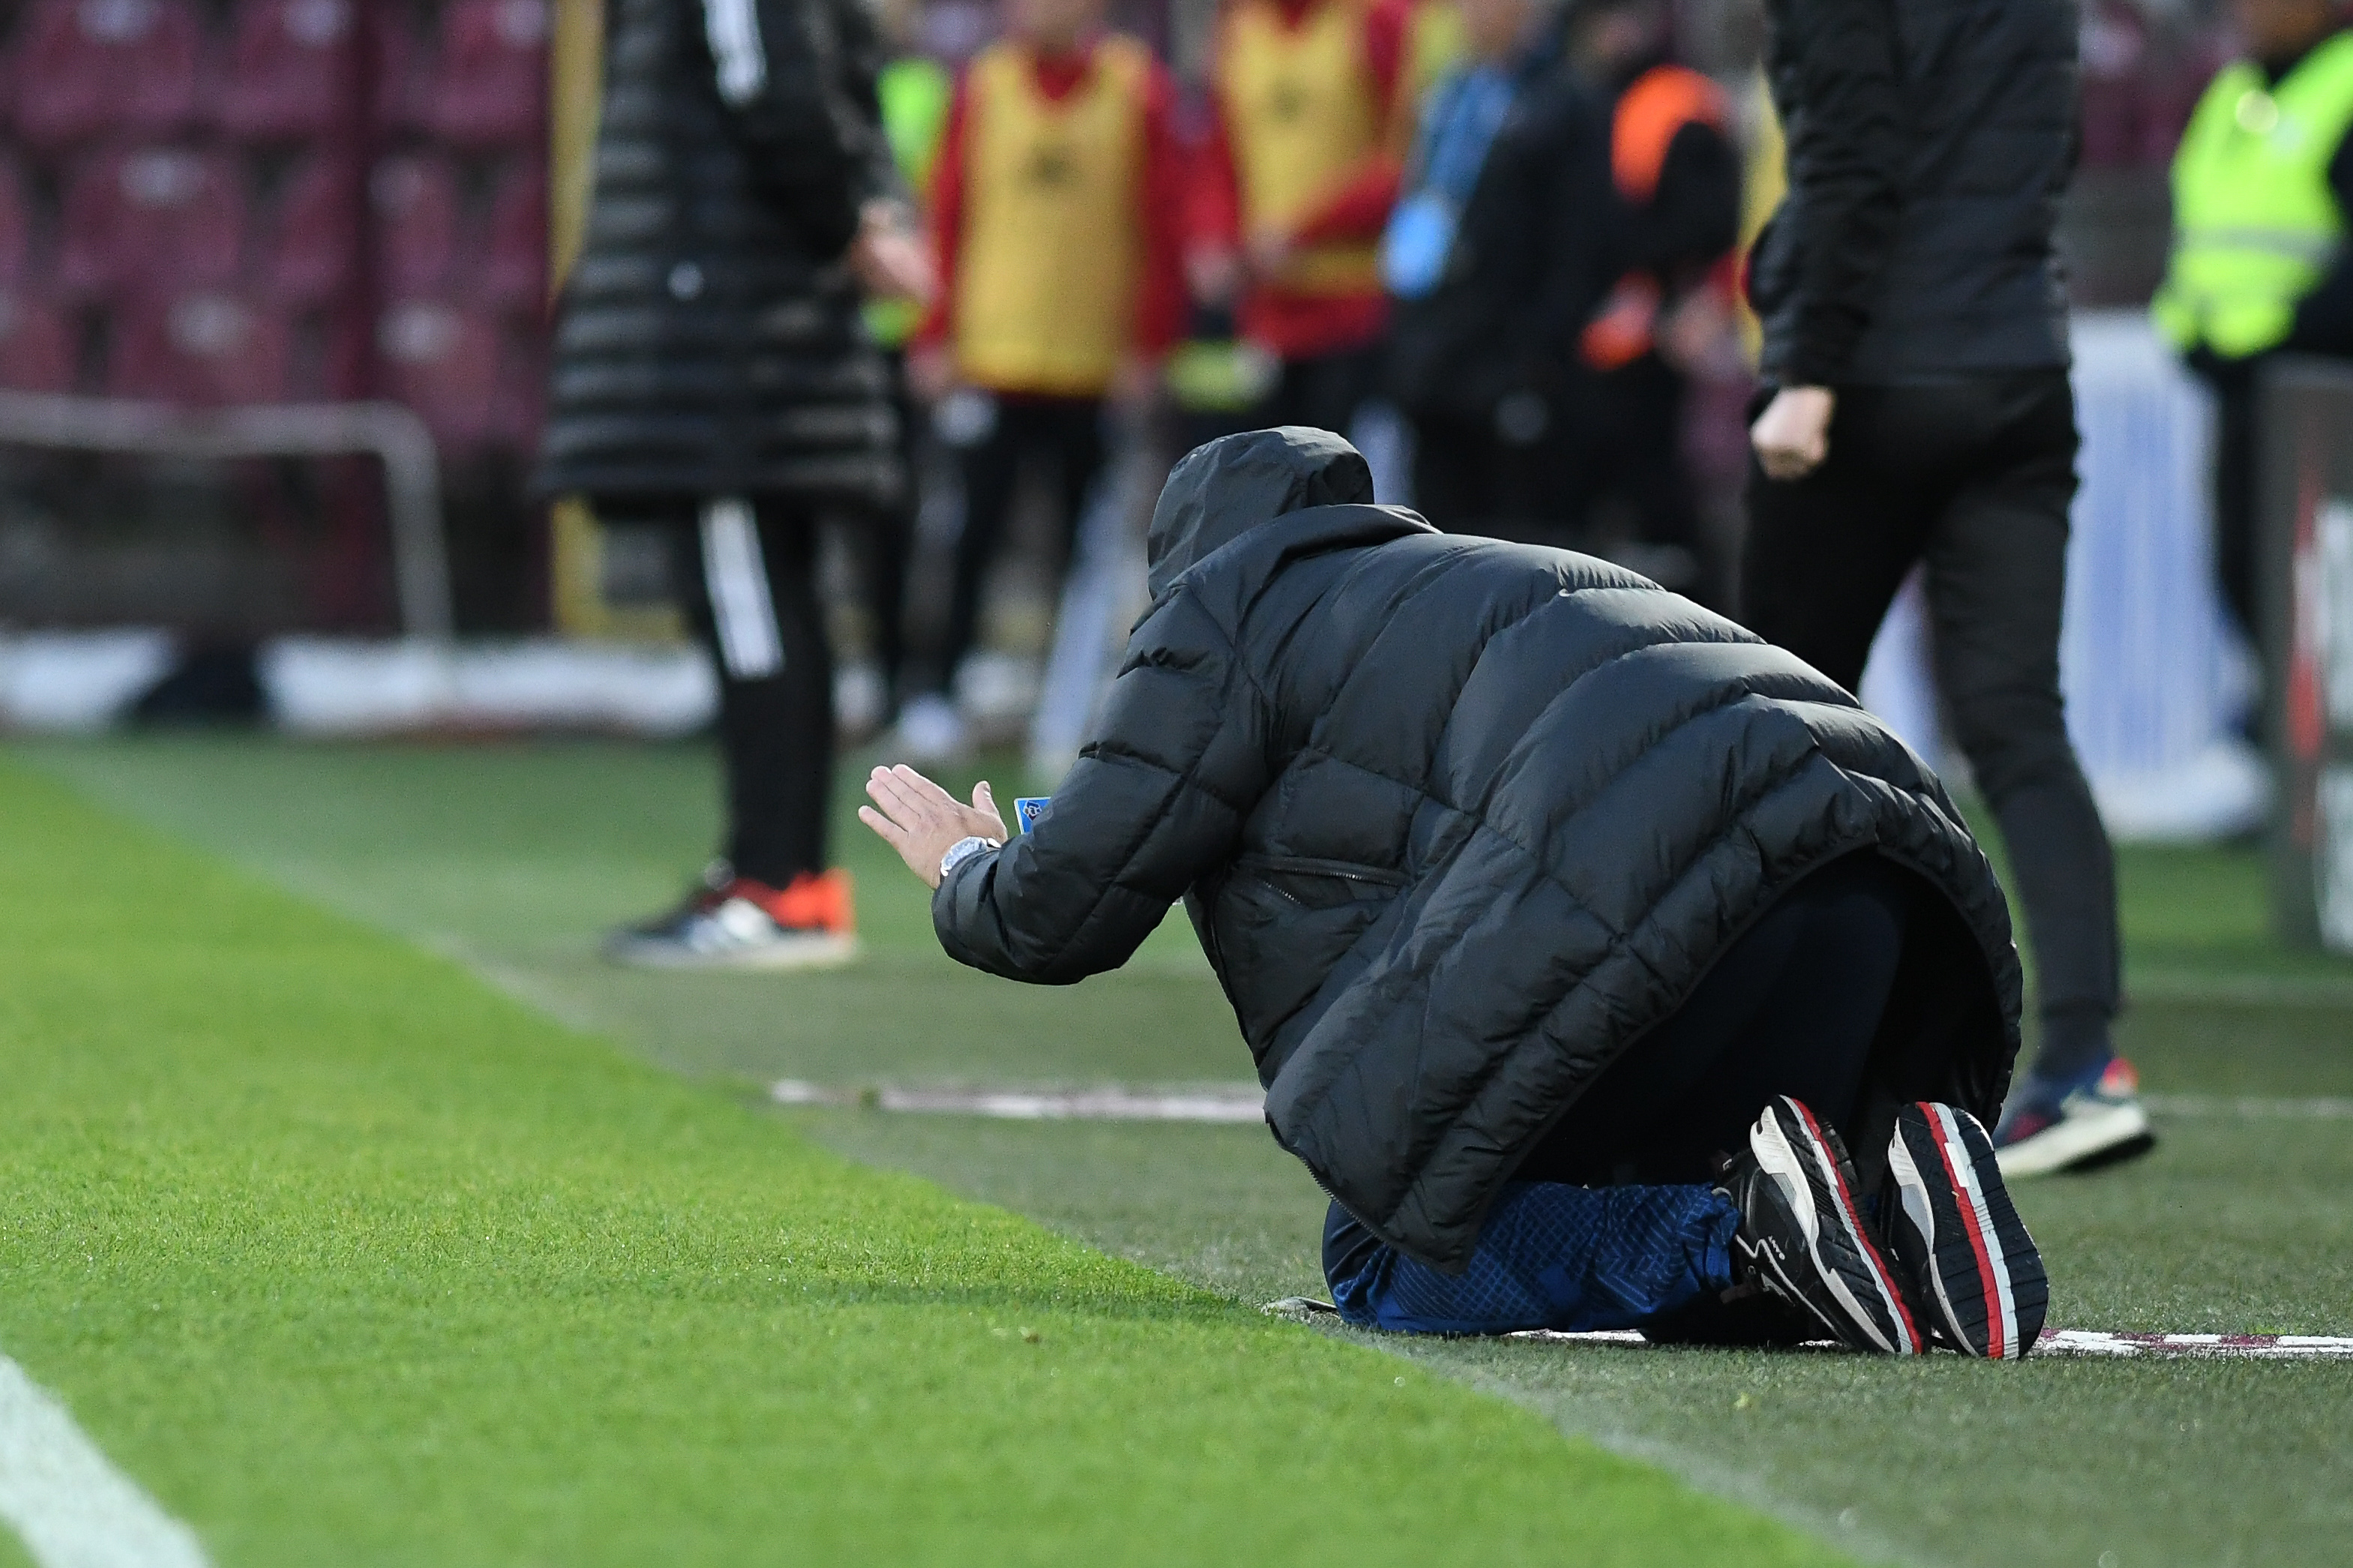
[[36, 344], [287, 68], [201, 347], [489, 83], [514, 262], [93, 68], [307, 254], [153, 215], [416, 201], [16, 226], [444, 359]]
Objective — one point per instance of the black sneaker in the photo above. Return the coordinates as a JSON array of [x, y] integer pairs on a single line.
[[1803, 1237], [1965, 1252]]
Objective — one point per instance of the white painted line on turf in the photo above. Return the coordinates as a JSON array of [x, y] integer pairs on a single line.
[[2070, 1342], [2256, 1107], [1214, 1103], [72, 1508]]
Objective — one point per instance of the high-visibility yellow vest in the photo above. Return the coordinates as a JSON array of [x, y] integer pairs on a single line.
[[1051, 251], [915, 93], [2254, 223], [1301, 113]]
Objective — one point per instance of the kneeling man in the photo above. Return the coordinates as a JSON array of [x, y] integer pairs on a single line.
[[1577, 934]]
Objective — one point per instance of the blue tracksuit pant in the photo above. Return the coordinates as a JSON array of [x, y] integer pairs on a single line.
[[1552, 1256]]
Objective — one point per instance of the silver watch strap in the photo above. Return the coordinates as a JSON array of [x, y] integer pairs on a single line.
[[963, 849]]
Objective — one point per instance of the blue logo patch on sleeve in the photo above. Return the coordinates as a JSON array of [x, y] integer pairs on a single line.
[[1028, 809]]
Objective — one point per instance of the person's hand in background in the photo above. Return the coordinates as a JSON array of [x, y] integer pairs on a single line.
[[889, 256], [1793, 434], [930, 373], [923, 822]]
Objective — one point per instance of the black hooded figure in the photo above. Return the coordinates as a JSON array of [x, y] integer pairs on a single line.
[[1530, 883]]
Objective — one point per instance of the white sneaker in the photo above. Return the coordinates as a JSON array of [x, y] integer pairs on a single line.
[[931, 730]]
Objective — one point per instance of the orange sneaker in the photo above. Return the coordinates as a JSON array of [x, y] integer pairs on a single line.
[[740, 923]]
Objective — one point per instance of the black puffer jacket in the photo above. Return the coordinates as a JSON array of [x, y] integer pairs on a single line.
[[1929, 144], [1457, 821], [710, 341]]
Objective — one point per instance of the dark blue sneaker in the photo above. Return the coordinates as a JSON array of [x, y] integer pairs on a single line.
[[2094, 1120]]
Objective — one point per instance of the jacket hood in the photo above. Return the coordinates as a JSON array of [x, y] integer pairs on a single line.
[[1225, 487]]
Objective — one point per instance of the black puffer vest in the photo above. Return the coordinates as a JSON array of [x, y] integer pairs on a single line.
[[710, 340]]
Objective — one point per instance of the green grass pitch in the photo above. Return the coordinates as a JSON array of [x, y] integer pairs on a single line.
[[350, 1259], [284, 1124]]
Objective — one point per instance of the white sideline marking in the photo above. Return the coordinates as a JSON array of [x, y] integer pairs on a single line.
[[2317, 1107], [1246, 1103], [2072, 1342], [73, 1509], [1240, 1104]]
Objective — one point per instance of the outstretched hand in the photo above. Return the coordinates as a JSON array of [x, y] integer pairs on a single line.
[[921, 821]]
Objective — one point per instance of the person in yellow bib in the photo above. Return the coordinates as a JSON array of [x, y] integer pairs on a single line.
[[1312, 118], [1056, 209], [2262, 184]]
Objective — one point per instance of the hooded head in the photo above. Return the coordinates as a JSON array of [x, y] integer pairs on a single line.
[[1225, 487]]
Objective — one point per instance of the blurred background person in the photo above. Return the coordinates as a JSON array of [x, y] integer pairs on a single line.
[[711, 374], [1677, 170], [1916, 408], [1056, 211], [913, 91], [1504, 240], [2262, 184], [1311, 112]]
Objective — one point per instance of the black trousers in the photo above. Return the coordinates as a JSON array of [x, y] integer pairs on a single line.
[[1974, 477], [745, 574], [2237, 456], [1467, 480], [1065, 434], [1638, 463], [1791, 1007]]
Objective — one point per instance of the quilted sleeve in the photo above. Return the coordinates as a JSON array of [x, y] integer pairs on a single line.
[[1155, 801]]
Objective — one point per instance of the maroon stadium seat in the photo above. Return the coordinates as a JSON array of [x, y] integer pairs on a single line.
[[16, 226], [490, 84], [203, 347], [153, 215], [444, 359], [307, 256], [91, 68], [416, 200], [514, 263], [288, 62], [287, 69], [36, 344]]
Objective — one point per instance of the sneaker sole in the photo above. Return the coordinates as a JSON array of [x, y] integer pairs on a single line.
[[1804, 1161], [1957, 1231], [806, 952], [2115, 1132]]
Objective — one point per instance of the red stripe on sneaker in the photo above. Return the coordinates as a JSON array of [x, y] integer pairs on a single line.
[[1997, 1344], [1854, 1219]]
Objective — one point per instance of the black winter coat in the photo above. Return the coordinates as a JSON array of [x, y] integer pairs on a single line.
[[710, 340], [1929, 144], [1535, 251], [1456, 821]]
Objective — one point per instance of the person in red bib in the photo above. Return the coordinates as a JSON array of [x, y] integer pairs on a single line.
[[1056, 209], [1312, 115]]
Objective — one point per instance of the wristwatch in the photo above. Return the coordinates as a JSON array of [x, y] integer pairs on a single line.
[[963, 849]]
